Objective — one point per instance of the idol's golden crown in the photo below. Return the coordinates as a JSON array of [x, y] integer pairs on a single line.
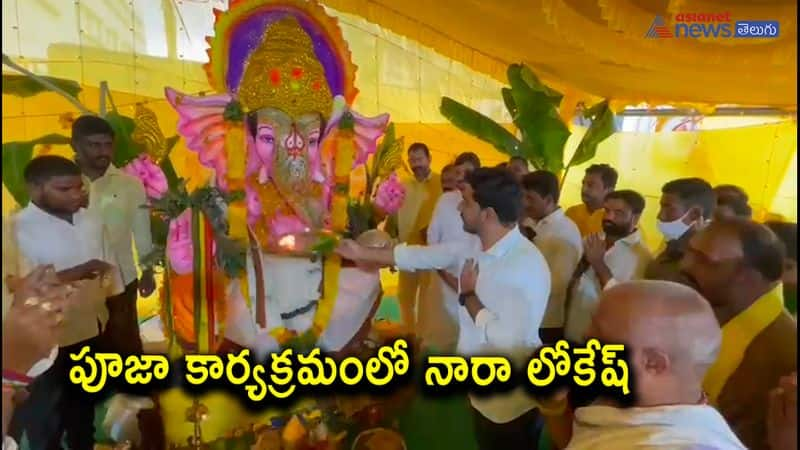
[[284, 73]]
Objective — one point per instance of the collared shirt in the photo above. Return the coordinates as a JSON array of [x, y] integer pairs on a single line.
[[588, 223], [626, 259], [446, 227], [666, 266], [45, 239], [759, 346], [559, 240], [446, 223], [513, 285], [416, 212], [117, 198]]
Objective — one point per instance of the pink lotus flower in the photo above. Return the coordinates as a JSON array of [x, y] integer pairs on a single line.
[[390, 195], [150, 174], [180, 248]]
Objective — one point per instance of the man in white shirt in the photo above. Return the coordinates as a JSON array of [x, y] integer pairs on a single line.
[[672, 338], [503, 290], [438, 317], [118, 199], [559, 240], [413, 218], [616, 255], [54, 230]]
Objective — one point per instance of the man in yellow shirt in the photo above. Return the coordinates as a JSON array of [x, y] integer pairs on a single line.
[[737, 265], [598, 181], [422, 191]]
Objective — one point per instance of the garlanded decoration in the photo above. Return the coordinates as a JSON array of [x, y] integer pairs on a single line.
[[281, 129], [370, 208], [533, 106], [198, 256]]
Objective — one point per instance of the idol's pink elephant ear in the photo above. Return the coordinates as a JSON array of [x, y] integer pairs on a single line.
[[201, 123], [366, 130]]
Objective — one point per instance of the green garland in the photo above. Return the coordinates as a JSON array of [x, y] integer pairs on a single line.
[[230, 255]]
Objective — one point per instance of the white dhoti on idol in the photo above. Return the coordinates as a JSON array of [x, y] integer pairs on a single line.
[[292, 289]]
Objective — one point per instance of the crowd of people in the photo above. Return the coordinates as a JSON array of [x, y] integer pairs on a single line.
[[490, 263], [69, 255], [708, 320]]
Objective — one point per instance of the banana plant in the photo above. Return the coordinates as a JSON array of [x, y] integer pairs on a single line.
[[16, 155], [533, 107]]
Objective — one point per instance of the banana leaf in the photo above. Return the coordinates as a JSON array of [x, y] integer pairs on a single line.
[[25, 86], [543, 132], [480, 126], [17, 155], [602, 126], [533, 82], [125, 150], [508, 99], [166, 164]]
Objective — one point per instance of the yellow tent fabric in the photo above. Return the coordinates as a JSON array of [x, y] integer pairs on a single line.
[[412, 53], [599, 46]]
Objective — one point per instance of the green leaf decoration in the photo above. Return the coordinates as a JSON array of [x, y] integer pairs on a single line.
[[171, 141], [533, 107], [602, 127], [233, 112], [125, 150], [325, 246], [480, 126], [169, 172], [533, 82], [17, 155], [543, 132], [25, 86], [508, 99]]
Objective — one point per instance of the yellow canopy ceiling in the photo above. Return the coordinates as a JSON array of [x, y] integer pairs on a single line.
[[599, 46]]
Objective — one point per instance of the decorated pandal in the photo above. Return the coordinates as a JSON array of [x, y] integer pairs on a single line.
[[248, 261]]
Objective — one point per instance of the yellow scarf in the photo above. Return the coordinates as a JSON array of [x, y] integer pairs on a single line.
[[737, 335]]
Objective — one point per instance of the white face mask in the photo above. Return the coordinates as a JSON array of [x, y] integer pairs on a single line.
[[675, 229]]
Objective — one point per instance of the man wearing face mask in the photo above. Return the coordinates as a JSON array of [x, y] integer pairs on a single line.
[[616, 255], [686, 205]]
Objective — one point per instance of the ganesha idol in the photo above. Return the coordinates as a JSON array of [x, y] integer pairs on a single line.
[[275, 131]]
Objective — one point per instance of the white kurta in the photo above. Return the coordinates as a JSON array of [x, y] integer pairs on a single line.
[[437, 321], [681, 427]]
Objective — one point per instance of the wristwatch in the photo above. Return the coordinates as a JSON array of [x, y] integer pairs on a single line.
[[462, 298]]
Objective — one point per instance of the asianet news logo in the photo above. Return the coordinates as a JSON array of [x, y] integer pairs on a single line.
[[720, 25]]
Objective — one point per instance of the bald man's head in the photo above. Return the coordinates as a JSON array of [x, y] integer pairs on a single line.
[[671, 334]]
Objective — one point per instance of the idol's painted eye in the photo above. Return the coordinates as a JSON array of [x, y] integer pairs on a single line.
[[267, 139]]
